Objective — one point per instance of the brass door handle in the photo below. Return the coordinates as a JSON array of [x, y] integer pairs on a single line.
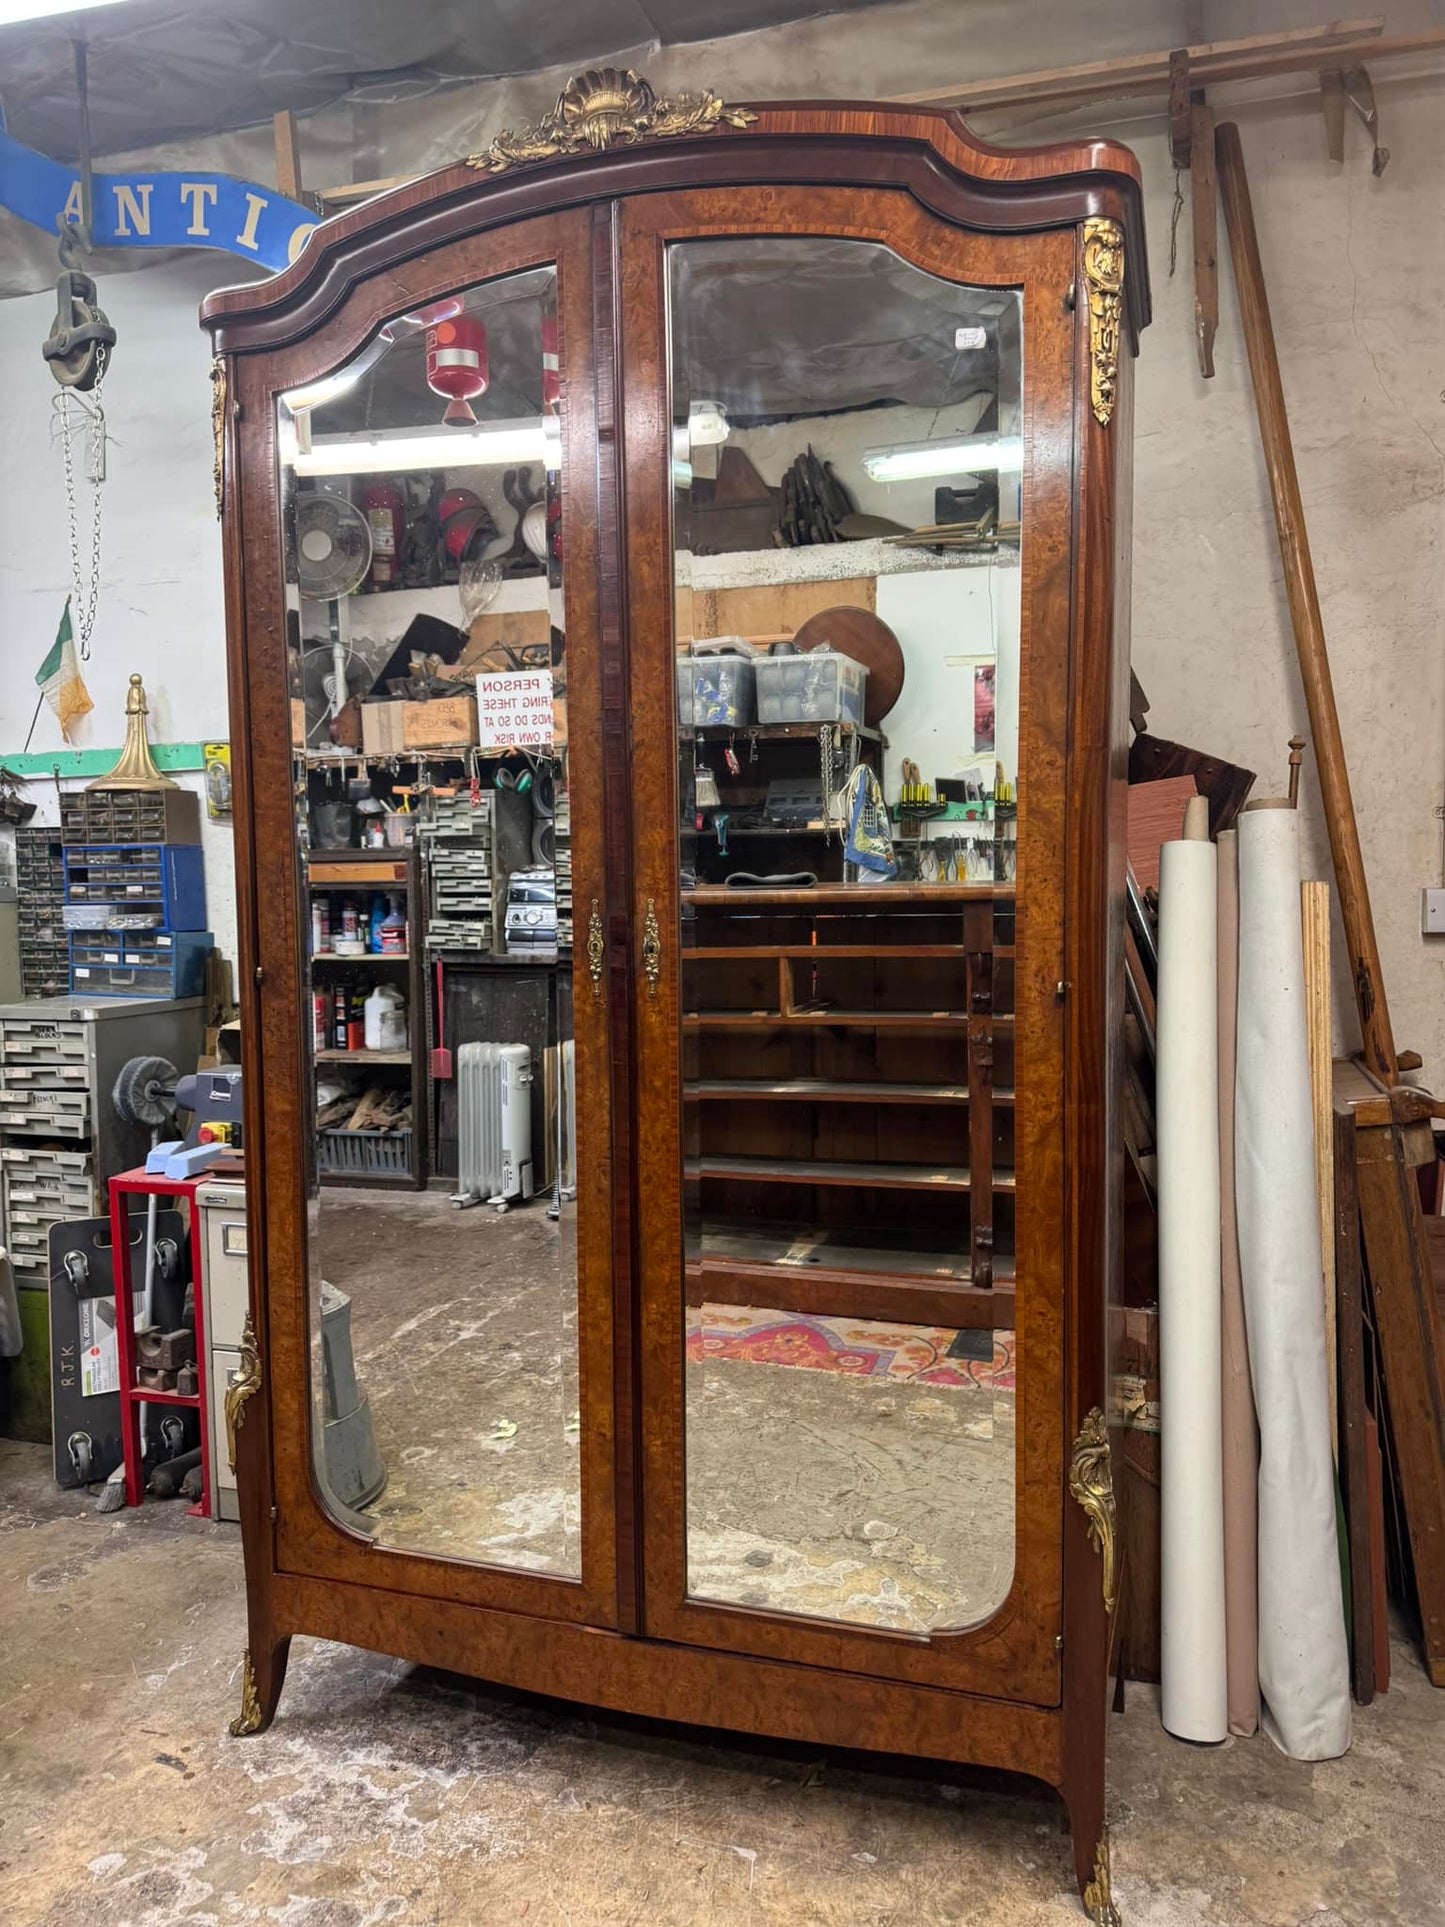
[[596, 951], [651, 947]]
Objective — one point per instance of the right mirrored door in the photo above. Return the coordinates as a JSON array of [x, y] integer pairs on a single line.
[[847, 456]]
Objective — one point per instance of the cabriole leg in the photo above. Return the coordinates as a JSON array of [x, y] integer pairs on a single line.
[[262, 1678]]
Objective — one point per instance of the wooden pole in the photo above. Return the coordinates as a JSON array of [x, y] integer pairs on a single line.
[[288, 154], [1304, 609], [1260, 56], [1204, 212]]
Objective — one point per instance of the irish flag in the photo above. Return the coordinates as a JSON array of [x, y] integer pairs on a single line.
[[60, 680]]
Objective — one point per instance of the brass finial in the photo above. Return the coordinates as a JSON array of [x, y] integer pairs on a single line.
[[1296, 757], [136, 769]]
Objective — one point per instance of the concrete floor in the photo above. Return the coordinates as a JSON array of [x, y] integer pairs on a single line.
[[384, 1794], [878, 1499]]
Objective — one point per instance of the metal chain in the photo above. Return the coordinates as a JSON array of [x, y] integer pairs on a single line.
[[84, 595]]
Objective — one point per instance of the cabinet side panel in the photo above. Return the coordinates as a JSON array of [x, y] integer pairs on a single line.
[[1097, 793]]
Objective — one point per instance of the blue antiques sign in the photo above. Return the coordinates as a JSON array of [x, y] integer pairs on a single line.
[[192, 209]]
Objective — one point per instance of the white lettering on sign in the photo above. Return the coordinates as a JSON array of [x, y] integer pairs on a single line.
[[255, 205], [132, 204], [515, 710], [199, 194]]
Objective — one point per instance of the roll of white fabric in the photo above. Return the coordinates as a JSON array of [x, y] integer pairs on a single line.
[[1241, 1434], [1192, 1658], [1303, 1660]]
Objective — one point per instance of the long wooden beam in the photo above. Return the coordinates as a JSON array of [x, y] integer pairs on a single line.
[[1257, 56], [1304, 608], [1342, 43], [288, 154]]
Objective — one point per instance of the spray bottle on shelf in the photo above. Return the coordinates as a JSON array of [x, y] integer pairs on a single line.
[[393, 930]]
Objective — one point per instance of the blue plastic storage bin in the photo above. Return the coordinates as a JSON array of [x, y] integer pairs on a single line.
[[139, 963], [156, 886]]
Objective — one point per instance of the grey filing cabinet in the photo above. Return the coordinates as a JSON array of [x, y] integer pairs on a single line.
[[222, 1207], [60, 1139]]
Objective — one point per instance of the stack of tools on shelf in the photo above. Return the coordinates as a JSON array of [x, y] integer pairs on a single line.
[[986, 533], [815, 504], [962, 519], [456, 847]]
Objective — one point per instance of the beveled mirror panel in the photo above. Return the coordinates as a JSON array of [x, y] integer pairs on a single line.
[[423, 535], [847, 468]]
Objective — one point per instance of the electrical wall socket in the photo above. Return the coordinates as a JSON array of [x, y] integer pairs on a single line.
[[1432, 913]]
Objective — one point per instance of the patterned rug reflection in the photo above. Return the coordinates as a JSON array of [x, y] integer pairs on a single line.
[[809, 1341], [876, 1486]]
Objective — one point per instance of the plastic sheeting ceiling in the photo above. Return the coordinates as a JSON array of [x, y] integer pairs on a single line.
[[162, 71]]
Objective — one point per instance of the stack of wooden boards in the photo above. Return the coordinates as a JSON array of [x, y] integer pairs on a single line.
[[376, 1109]]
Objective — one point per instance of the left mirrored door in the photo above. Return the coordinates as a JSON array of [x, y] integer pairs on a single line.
[[447, 1106]]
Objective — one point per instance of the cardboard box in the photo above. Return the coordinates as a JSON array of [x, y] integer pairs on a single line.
[[446, 722]]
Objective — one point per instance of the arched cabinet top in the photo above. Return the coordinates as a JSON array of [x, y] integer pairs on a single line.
[[696, 141]]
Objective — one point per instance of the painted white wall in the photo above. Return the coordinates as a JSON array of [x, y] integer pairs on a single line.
[[1356, 275], [161, 609], [949, 621]]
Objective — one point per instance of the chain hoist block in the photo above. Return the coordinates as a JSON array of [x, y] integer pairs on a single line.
[[81, 337]]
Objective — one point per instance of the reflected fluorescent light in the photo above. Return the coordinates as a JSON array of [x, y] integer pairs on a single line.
[[707, 424], [487, 445], [965, 455], [707, 427], [317, 393]]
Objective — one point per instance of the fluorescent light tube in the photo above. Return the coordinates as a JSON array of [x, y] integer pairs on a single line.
[[488, 445], [965, 455]]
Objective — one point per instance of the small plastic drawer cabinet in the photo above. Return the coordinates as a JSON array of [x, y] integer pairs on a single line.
[[136, 886], [139, 963]]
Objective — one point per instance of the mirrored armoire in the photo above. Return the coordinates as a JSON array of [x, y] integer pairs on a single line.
[[677, 586]]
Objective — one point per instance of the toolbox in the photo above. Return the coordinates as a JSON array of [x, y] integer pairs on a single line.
[[162, 882], [139, 963]]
